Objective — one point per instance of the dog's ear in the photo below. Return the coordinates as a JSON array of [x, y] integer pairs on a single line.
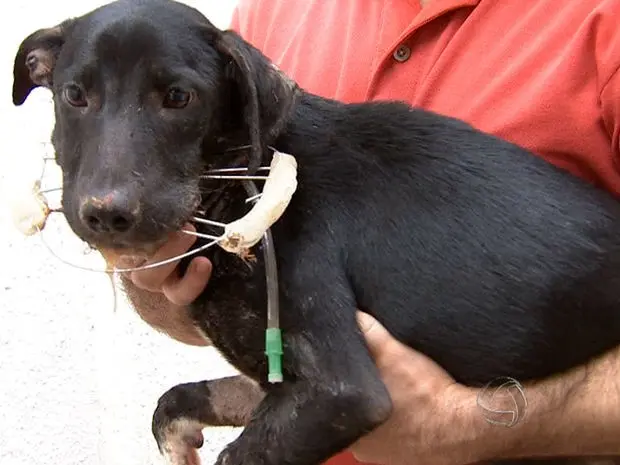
[[36, 58], [267, 94]]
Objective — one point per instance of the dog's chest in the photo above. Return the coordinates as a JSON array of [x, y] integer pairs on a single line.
[[233, 313], [233, 309]]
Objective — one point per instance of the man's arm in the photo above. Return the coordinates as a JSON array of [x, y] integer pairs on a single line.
[[576, 413], [437, 421], [573, 414]]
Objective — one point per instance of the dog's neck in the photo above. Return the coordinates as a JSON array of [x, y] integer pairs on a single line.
[[308, 124], [311, 124]]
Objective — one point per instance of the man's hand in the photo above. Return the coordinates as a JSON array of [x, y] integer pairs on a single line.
[[432, 420], [437, 421], [165, 279], [160, 295]]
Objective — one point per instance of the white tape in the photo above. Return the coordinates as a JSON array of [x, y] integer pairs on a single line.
[[30, 210], [279, 188]]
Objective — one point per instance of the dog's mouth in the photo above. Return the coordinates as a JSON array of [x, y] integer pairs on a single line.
[[210, 205], [208, 216], [158, 221]]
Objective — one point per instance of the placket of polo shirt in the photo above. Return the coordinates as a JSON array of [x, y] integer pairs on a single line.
[[397, 51]]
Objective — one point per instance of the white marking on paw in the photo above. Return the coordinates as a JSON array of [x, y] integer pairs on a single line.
[[180, 437]]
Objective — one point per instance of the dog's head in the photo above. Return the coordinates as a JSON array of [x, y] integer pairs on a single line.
[[147, 94]]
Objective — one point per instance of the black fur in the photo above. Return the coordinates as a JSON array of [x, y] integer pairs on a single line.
[[466, 247]]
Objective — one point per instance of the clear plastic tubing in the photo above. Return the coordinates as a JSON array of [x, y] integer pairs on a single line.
[[273, 337]]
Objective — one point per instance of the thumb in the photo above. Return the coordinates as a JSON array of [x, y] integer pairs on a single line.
[[380, 342], [389, 351]]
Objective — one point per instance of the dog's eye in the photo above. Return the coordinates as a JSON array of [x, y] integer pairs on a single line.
[[75, 96], [177, 98]]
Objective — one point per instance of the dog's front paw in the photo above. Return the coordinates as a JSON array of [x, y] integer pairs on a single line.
[[176, 424], [179, 441]]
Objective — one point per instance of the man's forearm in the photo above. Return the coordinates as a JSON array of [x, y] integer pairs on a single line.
[[574, 414]]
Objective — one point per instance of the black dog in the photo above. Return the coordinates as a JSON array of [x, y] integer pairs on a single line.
[[466, 247]]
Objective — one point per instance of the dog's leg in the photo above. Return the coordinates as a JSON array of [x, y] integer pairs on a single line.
[[332, 393], [307, 422], [185, 410]]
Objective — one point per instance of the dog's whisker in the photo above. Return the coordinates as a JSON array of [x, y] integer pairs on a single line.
[[235, 170], [52, 189], [201, 235], [128, 270], [236, 149], [253, 198], [232, 177], [245, 147], [209, 222], [172, 259], [211, 191]]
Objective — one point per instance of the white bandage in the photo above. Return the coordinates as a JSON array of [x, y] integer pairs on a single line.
[[30, 209], [279, 188]]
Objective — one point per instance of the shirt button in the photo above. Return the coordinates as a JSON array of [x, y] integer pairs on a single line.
[[402, 53]]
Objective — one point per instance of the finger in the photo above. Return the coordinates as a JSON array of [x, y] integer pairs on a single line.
[[392, 355], [380, 342], [153, 278], [183, 291], [365, 450], [384, 348]]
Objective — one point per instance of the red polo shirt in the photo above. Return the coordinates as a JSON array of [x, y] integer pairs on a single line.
[[541, 73]]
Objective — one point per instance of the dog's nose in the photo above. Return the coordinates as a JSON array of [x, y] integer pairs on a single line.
[[110, 213]]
